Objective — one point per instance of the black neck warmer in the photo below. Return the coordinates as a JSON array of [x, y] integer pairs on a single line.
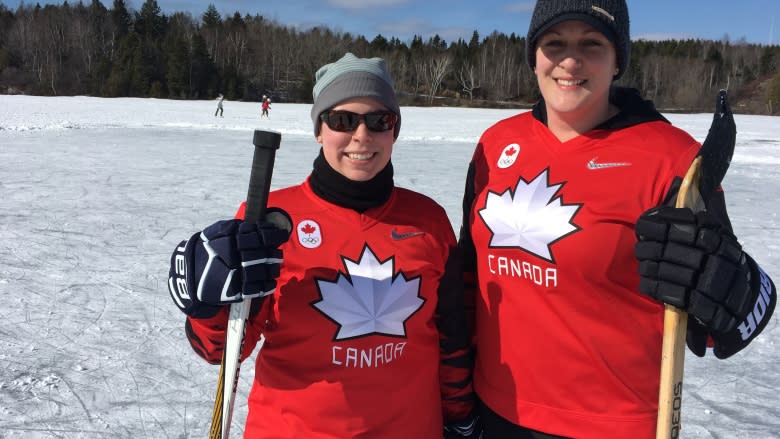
[[357, 195], [633, 110]]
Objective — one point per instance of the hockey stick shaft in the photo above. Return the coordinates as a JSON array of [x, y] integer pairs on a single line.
[[675, 324], [266, 143], [702, 179]]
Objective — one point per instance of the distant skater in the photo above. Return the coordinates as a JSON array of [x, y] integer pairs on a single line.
[[219, 106], [266, 106]]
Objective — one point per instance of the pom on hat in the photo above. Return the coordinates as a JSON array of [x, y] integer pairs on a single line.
[[610, 17], [353, 77]]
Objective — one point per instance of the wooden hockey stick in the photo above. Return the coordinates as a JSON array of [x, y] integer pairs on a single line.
[[266, 143], [703, 177]]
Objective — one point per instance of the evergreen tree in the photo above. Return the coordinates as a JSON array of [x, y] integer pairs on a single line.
[[437, 42], [6, 22], [417, 43], [121, 19], [177, 76], [212, 22], [379, 44], [96, 46], [141, 72], [118, 83], [211, 18], [474, 41], [769, 60], [149, 21], [202, 73]]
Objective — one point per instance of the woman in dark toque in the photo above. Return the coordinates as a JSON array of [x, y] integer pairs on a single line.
[[573, 249]]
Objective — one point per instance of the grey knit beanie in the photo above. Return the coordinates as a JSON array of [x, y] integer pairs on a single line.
[[610, 17], [353, 77]]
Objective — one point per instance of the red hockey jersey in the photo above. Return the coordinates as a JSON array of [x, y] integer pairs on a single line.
[[354, 344], [565, 342]]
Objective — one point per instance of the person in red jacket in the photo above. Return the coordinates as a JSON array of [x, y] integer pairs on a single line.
[[265, 107], [364, 320], [572, 249]]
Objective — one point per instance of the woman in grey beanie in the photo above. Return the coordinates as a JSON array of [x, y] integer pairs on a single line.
[[564, 231], [365, 332]]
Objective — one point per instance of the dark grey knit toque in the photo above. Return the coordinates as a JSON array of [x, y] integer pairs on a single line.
[[353, 77], [610, 17]]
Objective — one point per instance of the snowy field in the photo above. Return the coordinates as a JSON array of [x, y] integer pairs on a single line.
[[95, 193]]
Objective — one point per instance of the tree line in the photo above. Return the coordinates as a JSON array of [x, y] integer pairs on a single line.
[[90, 49]]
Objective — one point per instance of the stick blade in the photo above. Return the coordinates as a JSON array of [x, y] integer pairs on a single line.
[[718, 148]]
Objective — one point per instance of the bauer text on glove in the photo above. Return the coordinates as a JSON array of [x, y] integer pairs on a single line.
[[690, 261]]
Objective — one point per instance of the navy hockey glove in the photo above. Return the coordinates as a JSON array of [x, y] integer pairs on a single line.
[[227, 262], [692, 262], [468, 428]]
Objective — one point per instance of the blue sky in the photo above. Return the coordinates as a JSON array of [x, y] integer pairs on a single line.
[[757, 21]]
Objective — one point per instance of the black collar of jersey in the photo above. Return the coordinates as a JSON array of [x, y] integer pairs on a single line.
[[335, 188], [633, 110]]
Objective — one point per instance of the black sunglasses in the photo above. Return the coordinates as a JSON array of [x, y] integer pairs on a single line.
[[346, 121]]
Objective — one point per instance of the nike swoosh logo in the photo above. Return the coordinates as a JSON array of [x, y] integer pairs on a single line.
[[399, 236], [592, 164]]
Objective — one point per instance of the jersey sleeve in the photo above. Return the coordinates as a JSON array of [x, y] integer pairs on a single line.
[[461, 272], [465, 241], [456, 353], [207, 336]]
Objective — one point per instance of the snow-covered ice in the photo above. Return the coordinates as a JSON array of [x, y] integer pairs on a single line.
[[95, 193]]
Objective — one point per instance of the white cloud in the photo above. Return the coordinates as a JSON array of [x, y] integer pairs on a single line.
[[366, 4], [519, 7], [405, 27]]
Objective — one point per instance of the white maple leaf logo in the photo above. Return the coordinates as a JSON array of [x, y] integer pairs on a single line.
[[531, 219], [368, 298]]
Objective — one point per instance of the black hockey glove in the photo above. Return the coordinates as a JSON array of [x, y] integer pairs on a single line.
[[690, 261], [227, 262], [469, 428]]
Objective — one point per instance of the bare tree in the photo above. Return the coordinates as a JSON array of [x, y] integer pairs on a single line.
[[467, 79], [436, 68]]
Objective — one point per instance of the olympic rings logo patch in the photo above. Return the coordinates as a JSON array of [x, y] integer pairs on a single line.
[[508, 155], [309, 233]]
